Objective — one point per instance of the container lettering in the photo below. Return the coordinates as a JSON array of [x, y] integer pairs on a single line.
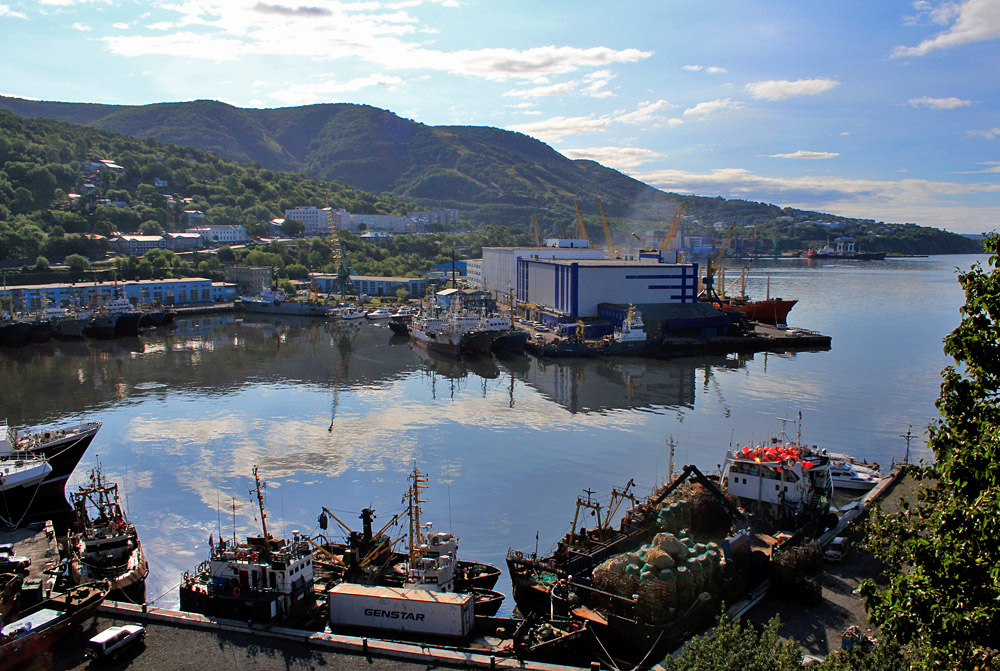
[[394, 614]]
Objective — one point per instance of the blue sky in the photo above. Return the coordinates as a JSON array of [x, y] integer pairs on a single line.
[[886, 110]]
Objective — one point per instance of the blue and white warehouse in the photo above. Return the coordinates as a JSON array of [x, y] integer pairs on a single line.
[[575, 287]]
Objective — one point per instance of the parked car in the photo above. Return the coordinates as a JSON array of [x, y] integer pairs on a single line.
[[14, 563], [836, 550], [6, 549], [113, 641]]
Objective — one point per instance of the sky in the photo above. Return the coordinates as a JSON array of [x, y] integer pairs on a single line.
[[884, 110]]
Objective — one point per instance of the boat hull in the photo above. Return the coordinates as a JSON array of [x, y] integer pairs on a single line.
[[298, 308], [772, 311], [64, 449]]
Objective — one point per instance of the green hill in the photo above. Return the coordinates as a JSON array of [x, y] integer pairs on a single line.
[[493, 176]]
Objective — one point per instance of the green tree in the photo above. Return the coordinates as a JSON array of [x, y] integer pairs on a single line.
[[226, 255], [41, 264], [77, 263], [943, 553], [403, 294], [736, 647], [151, 227], [293, 227]]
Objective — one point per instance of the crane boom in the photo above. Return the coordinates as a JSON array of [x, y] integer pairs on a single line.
[[607, 232], [535, 230], [580, 228], [668, 242]]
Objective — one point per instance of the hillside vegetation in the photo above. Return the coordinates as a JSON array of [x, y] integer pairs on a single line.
[[493, 176]]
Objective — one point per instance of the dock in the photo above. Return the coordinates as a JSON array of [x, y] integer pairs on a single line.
[[177, 640], [38, 543]]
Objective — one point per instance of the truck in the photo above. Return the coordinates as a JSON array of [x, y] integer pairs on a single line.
[[403, 610]]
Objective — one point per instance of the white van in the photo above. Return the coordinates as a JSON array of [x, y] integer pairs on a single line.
[[111, 642]]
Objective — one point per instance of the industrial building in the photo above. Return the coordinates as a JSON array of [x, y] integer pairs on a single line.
[[372, 286], [184, 291], [498, 271]]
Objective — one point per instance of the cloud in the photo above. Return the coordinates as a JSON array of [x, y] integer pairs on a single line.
[[614, 156], [938, 103], [713, 106], [81, 27], [898, 200], [308, 94], [558, 127], [973, 21], [780, 89], [647, 113], [711, 69], [988, 134], [282, 10], [562, 89], [806, 154], [5, 10]]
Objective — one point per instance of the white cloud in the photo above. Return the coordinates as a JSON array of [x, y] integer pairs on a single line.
[[81, 27], [988, 134], [713, 106], [938, 103], [120, 26], [308, 94], [780, 89], [562, 89], [806, 154], [711, 69], [614, 156], [5, 10], [974, 21], [647, 113], [556, 128]]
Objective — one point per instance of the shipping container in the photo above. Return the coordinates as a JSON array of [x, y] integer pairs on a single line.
[[402, 610]]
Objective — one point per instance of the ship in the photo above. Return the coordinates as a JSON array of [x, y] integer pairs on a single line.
[[116, 318], [262, 579], [21, 476], [39, 629], [62, 448], [276, 302], [431, 563], [845, 250], [770, 310], [104, 544], [399, 322]]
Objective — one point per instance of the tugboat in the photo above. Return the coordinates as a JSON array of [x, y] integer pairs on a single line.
[[104, 544], [39, 629], [263, 579], [62, 448]]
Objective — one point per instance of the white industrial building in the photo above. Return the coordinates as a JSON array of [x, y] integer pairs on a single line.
[[573, 288], [221, 233], [498, 274], [318, 221]]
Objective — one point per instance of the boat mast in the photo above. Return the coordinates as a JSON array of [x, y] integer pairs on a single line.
[[263, 515], [419, 481]]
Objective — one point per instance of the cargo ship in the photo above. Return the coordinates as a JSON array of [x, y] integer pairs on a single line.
[[263, 579], [275, 302]]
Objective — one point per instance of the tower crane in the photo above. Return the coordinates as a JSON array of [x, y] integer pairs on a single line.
[[668, 243], [581, 230], [535, 230], [612, 251]]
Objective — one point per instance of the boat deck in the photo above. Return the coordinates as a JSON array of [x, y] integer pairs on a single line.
[[37, 542]]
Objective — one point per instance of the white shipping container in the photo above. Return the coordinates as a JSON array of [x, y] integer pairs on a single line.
[[403, 610]]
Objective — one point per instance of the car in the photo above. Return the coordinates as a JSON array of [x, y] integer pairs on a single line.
[[538, 336], [113, 641], [836, 550], [6, 549], [14, 563]]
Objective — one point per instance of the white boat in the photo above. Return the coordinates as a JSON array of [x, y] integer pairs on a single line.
[[380, 313], [21, 476], [849, 475], [351, 312], [406, 312]]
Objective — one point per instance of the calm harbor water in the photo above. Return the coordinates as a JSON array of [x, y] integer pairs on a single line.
[[338, 416]]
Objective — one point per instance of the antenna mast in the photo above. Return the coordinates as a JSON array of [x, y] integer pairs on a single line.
[[263, 515], [418, 481]]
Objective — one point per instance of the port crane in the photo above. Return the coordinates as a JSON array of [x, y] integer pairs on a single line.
[[535, 230], [669, 242], [612, 250], [708, 282], [581, 230]]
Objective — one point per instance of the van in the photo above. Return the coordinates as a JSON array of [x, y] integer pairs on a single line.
[[111, 642]]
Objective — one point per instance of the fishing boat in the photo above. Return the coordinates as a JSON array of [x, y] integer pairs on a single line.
[[61, 447], [39, 629], [103, 544], [21, 477], [276, 302], [399, 322], [262, 579], [431, 563], [115, 318]]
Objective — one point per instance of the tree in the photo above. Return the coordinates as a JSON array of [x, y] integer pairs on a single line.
[[226, 255], [151, 227], [77, 263], [403, 294], [734, 647], [41, 264], [942, 553], [293, 227]]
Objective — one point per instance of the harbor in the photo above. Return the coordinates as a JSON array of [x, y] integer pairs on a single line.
[[185, 415]]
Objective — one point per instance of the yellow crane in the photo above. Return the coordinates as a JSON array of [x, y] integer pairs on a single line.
[[581, 230], [708, 282], [612, 250], [668, 243], [535, 230]]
